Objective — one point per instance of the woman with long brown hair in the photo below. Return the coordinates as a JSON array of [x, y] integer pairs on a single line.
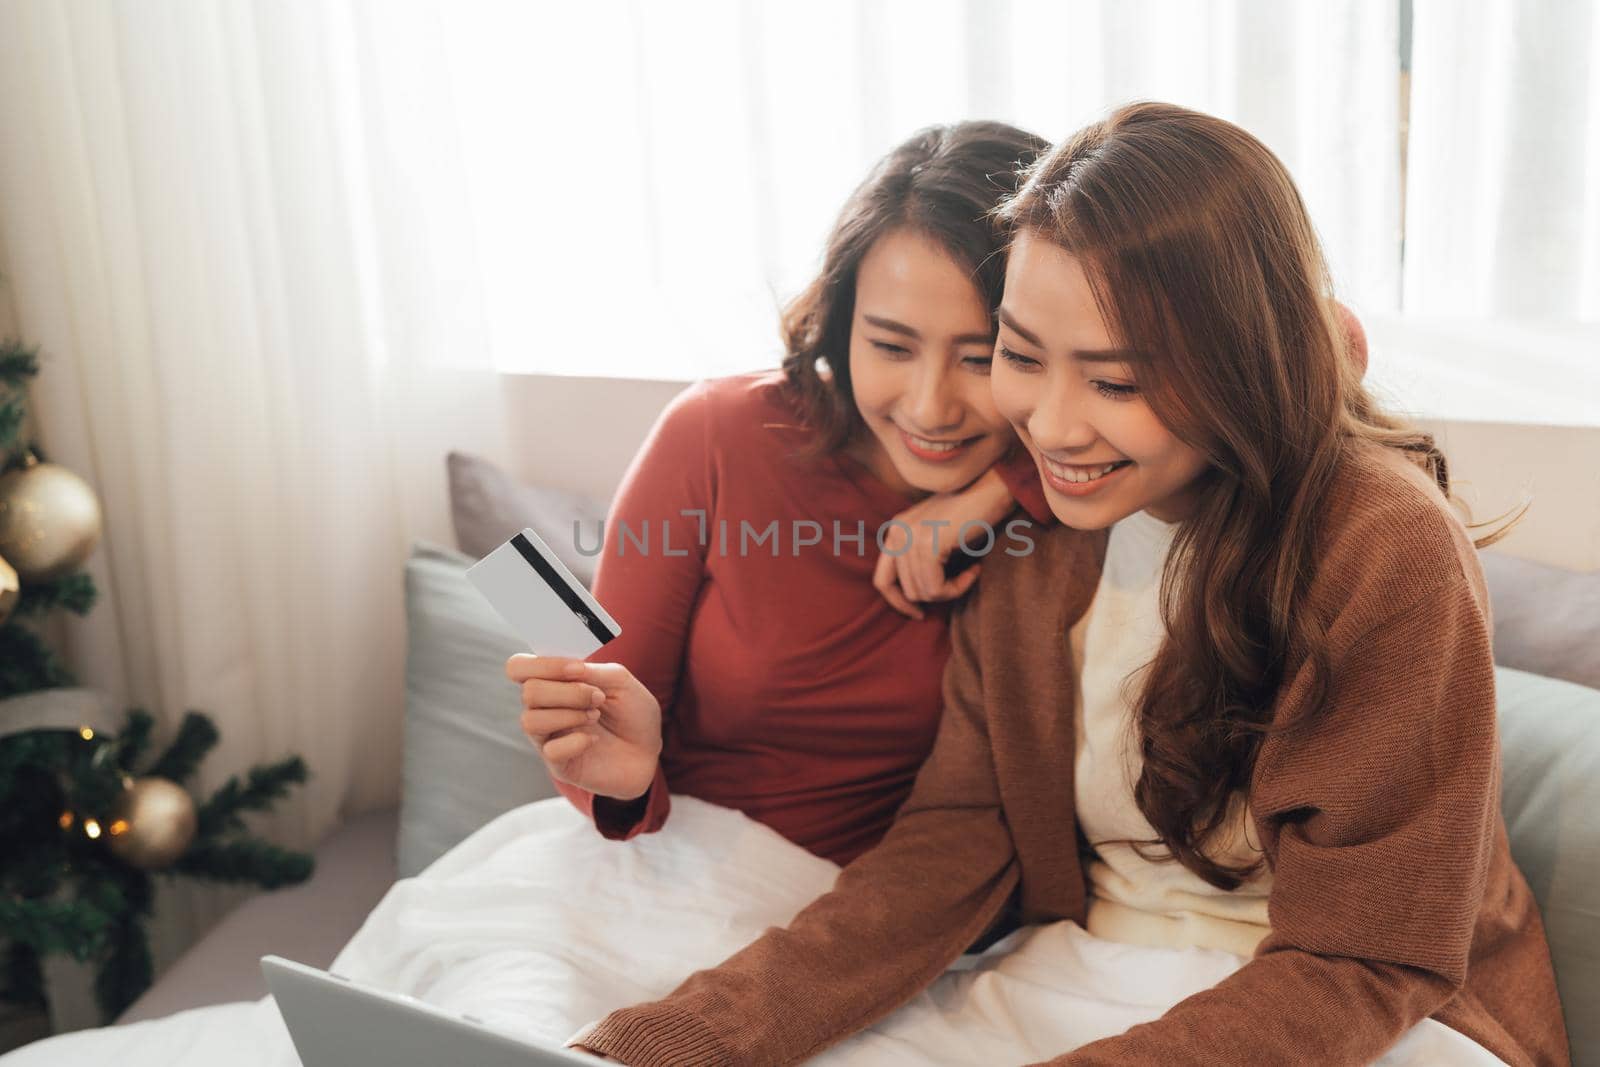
[[1240, 701], [780, 649]]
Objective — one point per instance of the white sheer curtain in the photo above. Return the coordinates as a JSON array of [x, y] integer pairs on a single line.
[[1503, 199], [651, 180], [235, 303]]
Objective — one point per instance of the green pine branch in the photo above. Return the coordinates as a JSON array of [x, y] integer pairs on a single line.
[[106, 886], [134, 739], [126, 970], [27, 663], [197, 734], [245, 860], [18, 363], [46, 772], [21, 980], [74, 592], [94, 779], [12, 412], [123, 965], [266, 784], [30, 751], [75, 927]]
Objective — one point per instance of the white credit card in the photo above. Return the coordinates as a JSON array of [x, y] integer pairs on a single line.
[[534, 592]]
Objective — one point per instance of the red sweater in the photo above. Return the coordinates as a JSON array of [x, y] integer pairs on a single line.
[[789, 688]]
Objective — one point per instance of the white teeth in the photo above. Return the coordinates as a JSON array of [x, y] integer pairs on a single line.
[[933, 446], [1079, 474]]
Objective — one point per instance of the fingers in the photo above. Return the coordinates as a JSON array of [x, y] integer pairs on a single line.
[[886, 580], [898, 601], [606, 675], [541, 724], [524, 665], [884, 575], [567, 747], [956, 586], [902, 580], [965, 580], [538, 693], [895, 539], [921, 574]]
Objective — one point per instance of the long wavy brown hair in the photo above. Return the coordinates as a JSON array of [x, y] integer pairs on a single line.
[[1201, 254], [943, 183]]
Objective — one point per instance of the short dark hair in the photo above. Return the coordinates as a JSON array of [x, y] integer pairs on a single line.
[[943, 183]]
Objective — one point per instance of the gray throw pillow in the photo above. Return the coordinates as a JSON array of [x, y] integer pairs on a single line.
[[466, 758], [1550, 791], [1546, 619], [487, 506]]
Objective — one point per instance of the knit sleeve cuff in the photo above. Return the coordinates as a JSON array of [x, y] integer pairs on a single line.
[[657, 1035], [620, 820]]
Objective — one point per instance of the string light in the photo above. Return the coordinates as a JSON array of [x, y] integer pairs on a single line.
[[120, 826], [92, 828], [66, 820], [86, 733]]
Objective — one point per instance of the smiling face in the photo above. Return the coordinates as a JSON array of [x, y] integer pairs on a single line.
[[921, 344], [1074, 400]]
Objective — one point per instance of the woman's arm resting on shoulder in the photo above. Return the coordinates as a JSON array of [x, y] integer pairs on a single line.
[[894, 921], [910, 569], [1385, 817]]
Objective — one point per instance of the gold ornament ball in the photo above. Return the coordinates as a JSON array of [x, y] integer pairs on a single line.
[[49, 521], [10, 589], [153, 824]]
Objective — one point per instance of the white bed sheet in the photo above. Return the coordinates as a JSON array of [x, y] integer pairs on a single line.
[[537, 925]]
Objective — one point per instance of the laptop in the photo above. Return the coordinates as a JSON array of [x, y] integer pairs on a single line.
[[336, 1022]]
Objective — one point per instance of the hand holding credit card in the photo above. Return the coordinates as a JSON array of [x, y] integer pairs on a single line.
[[539, 597], [595, 725]]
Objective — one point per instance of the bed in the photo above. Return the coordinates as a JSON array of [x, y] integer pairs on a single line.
[[457, 895]]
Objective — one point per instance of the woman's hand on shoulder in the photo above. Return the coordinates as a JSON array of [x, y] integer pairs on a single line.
[[595, 725], [910, 569]]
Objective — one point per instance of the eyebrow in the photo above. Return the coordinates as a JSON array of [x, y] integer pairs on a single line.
[[1095, 355], [906, 331]]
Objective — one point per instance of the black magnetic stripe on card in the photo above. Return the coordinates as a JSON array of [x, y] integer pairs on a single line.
[[572, 600]]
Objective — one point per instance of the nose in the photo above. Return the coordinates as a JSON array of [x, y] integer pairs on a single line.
[[1059, 424], [935, 406]]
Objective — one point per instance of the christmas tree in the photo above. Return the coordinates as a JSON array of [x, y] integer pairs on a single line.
[[87, 818]]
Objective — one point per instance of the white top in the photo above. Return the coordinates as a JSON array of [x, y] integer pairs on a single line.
[[1144, 902]]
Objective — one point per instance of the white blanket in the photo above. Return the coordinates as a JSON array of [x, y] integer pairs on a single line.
[[537, 925]]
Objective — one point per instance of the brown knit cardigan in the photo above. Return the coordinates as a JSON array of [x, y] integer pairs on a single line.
[[1394, 896]]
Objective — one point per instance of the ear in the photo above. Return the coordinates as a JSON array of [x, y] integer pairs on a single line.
[[1355, 338]]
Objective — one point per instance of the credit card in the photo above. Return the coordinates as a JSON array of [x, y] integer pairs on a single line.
[[541, 600]]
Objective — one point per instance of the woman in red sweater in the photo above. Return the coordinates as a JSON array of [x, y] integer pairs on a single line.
[[744, 553]]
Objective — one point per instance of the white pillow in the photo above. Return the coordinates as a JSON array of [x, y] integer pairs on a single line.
[[466, 759]]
